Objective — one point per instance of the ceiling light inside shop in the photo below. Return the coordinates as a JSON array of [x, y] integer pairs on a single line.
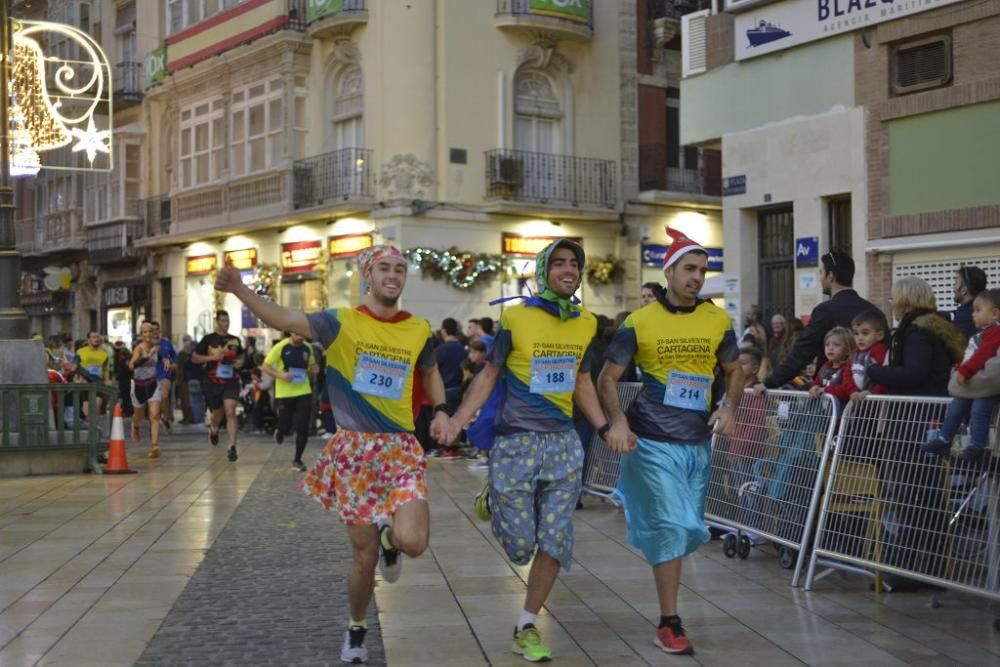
[[539, 228], [351, 226]]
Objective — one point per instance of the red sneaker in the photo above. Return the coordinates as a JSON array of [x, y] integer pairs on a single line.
[[671, 638]]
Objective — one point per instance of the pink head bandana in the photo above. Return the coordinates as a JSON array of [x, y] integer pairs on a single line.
[[370, 256]]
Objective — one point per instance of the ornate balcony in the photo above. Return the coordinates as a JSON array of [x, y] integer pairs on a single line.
[[115, 242], [328, 23], [545, 178], [341, 175], [128, 85], [558, 20], [659, 181]]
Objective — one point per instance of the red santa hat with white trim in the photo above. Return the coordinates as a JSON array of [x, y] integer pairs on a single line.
[[681, 246]]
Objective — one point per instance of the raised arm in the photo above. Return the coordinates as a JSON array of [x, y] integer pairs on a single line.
[[283, 319]]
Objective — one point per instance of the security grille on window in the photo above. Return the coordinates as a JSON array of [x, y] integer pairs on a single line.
[[921, 64], [202, 144], [940, 275]]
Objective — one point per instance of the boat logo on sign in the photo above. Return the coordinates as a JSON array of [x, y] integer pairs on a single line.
[[766, 32]]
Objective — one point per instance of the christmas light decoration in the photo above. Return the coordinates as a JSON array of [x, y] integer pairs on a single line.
[[461, 269], [59, 98], [606, 270], [23, 156], [265, 279]]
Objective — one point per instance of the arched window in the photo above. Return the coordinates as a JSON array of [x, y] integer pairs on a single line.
[[348, 129], [537, 113]]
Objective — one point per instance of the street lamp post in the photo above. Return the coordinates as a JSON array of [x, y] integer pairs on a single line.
[[13, 320]]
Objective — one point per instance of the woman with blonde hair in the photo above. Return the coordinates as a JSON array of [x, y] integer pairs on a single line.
[[921, 353]]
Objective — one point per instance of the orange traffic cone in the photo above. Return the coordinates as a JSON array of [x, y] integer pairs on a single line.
[[117, 461]]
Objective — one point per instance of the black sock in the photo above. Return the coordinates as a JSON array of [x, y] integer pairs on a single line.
[[669, 620]]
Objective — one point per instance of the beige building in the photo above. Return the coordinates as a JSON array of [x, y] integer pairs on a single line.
[[285, 135]]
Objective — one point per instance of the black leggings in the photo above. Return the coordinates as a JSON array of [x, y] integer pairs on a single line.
[[298, 411]]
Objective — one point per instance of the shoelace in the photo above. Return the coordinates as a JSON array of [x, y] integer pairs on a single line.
[[357, 636], [677, 629]]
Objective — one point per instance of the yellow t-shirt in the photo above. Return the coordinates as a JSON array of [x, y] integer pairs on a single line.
[[288, 358], [93, 362]]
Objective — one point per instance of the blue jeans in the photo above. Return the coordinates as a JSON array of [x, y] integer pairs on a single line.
[[976, 412], [197, 404]]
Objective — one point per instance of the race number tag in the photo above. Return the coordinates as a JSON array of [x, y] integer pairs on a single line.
[[94, 369], [224, 371], [298, 375], [553, 375], [687, 391], [377, 376]]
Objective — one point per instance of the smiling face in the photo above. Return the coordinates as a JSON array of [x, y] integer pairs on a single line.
[[687, 276], [387, 278], [146, 331], [564, 272]]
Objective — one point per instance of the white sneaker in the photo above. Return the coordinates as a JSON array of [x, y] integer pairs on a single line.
[[390, 562], [353, 650]]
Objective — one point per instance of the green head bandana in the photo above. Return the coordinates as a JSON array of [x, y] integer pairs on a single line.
[[567, 307]]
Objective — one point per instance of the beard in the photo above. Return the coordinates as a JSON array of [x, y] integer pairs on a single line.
[[384, 300]]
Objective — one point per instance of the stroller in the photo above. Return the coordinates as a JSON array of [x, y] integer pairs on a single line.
[[249, 401]]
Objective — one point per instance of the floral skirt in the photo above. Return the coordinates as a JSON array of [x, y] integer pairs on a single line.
[[367, 476]]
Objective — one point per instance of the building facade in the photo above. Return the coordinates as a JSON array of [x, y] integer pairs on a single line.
[[825, 117]]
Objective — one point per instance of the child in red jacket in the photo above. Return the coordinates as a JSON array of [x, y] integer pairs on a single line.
[[835, 377], [976, 411], [869, 329]]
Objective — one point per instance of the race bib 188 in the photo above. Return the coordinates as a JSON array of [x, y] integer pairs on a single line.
[[377, 376], [553, 375], [687, 391]]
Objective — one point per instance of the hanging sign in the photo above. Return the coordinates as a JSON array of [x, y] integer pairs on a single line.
[[301, 256], [348, 245], [202, 265], [243, 260], [514, 244]]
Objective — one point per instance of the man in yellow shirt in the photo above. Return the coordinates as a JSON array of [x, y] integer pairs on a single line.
[[93, 364], [290, 362]]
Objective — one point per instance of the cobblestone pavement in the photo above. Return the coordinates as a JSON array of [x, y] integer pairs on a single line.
[[272, 590]]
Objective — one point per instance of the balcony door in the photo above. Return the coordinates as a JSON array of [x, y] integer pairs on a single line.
[[348, 130], [537, 132]]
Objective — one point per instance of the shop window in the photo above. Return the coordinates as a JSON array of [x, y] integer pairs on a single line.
[[305, 295]]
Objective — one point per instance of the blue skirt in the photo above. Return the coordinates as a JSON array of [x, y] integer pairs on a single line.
[[663, 487]]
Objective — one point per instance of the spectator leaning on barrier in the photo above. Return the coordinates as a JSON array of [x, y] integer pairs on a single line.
[[970, 281], [921, 355], [836, 278]]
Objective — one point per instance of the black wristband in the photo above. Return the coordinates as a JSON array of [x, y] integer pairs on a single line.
[[441, 407], [603, 431]]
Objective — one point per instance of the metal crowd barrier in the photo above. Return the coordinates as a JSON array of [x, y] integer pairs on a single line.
[[890, 508], [767, 476], [50, 418], [601, 476]]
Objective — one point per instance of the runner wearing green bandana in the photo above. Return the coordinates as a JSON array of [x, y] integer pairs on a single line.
[[544, 350]]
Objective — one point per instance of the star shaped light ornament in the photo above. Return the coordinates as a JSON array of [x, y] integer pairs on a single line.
[[91, 140]]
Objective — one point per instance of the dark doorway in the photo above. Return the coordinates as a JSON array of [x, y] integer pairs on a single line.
[[776, 253]]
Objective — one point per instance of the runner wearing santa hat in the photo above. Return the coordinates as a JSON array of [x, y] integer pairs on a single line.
[[678, 341]]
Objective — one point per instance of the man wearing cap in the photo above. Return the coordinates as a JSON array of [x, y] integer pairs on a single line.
[[372, 470], [543, 347], [678, 340]]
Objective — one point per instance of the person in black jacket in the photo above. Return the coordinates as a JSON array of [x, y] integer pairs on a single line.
[[836, 277], [921, 354], [969, 282]]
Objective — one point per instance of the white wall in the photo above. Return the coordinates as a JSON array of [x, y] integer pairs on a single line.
[[802, 162]]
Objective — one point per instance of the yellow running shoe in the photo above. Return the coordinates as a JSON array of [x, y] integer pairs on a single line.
[[528, 644]]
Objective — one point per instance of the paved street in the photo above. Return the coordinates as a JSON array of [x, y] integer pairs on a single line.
[[198, 561]]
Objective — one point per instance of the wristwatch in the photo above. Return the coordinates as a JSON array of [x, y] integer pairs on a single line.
[[440, 407], [603, 431]]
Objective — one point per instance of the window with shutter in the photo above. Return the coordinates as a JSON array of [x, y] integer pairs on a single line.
[[920, 65]]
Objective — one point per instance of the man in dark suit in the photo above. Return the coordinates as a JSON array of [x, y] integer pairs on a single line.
[[969, 282], [837, 275]]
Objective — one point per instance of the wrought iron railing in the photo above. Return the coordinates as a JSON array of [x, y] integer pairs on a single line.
[[654, 174], [108, 243], [297, 14], [524, 8], [128, 84], [346, 6], [549, 178], [339, 175], [156, 215]]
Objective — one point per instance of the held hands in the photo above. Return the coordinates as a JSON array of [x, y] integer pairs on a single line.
[[620, 438], [441, 429], [723, 420], [228, 279]]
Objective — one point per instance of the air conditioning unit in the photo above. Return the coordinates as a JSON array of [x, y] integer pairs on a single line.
[[507, 171], [664, 31]]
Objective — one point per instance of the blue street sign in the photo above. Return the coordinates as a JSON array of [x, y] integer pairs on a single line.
[[807, 251], [653, 254]]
